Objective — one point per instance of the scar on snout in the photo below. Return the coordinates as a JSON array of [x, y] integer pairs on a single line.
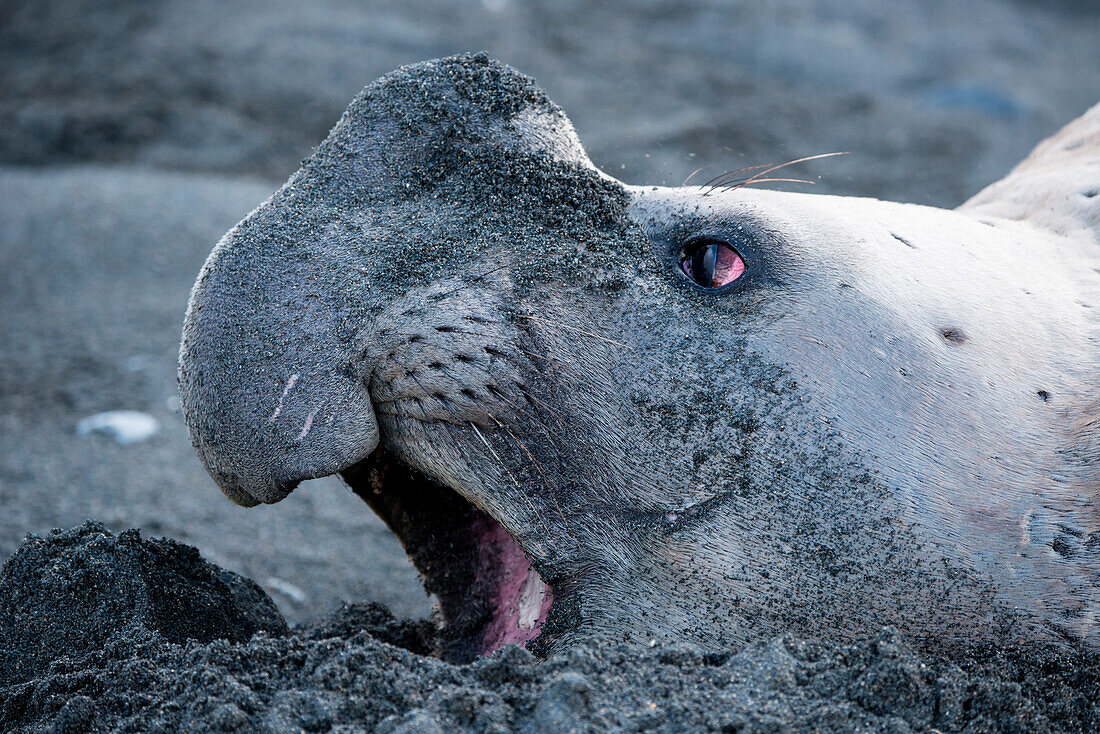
[[286, 391], [308, 424]]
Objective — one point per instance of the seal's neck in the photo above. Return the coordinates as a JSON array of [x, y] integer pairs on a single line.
[[1056, 188]]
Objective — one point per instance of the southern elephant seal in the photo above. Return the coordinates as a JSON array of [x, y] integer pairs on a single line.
[[700, 414]]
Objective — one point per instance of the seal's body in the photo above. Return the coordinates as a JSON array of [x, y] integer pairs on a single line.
[[589, 409]]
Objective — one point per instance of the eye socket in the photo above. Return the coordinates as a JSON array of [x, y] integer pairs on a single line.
[[711, 264]]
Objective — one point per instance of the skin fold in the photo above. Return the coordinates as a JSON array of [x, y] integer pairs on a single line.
[[890, 417]]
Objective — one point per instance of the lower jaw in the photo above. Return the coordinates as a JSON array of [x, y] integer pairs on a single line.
[[488, 592]]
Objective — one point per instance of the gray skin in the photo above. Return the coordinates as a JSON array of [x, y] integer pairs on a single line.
[[890, 418]]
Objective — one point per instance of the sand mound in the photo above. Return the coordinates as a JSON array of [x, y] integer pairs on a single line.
[[66, 595], [102, 632]]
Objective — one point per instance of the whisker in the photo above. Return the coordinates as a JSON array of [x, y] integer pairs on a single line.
[[799, 160], [749, 182], [522, 446], [551, 412], [426, 393], [573, 328], [543, 405], [494, 453], [472, 425], [538, 467], [692, 174], [522, 497], [518, 349], [562, 362], [769, 169], [503, 398], [500, 460], [569, 368], [344, 483], [734, 172], [453, 379], [526, 500], [500, 424]]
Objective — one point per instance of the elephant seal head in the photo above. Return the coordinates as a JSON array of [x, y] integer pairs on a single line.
[[630, 413]]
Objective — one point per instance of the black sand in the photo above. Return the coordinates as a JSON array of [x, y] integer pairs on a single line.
[[127, 658], [134, 134]]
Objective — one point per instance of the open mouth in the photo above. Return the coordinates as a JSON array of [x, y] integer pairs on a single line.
[[489, 594]]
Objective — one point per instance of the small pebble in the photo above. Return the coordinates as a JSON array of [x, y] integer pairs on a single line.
[[286, 589], [124, 426]]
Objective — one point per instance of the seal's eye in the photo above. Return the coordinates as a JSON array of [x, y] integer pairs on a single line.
[[711, 264]]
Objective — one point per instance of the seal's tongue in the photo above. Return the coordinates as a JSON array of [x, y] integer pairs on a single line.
[[521, 600]]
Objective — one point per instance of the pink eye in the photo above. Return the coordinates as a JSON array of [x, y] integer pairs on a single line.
[[712, 264]]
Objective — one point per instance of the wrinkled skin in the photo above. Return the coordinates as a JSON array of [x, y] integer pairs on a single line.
[[890, 418]]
